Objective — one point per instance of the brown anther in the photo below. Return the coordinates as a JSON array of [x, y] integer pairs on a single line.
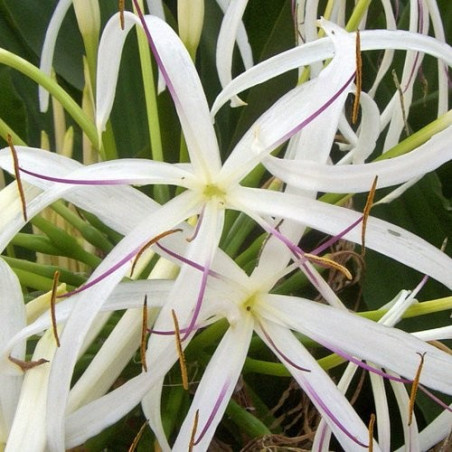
[[328, 263], [121, 7], [56, 277], [371, 432], [180, 352], [193, 431], [144, 334], [366, 213], [137, 438], [150, 243], [18, 179], [27, 365], [358, 78], [414, 388]]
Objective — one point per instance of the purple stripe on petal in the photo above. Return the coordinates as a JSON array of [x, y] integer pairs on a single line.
[[201, 293], [363, 365], [184, 260], [77, 181], [336, 238], [283, 356], [104, 275], [435, 399], [213, 412], [314, 115], [319, 401]]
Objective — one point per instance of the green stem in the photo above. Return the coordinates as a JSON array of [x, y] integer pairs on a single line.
[[31, 71], [88, 232], [247, 422], [66, 243], [46, 271]]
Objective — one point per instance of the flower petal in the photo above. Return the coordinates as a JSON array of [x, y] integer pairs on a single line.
[[381, 236], [188, 96], [331, 403], [357, 178], [48, 47], [216, 386], [339, 330], [323, 49], [12, 319]]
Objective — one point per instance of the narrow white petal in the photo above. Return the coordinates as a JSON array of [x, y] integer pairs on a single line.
[[108, 60], [125, 296], [12, 320], [90, 302], [339, 330], [323, 49], [28, 430], [381, 236], [151, 405], [318, 101], [188, 95], [317, 385], [357, 178], [48, 47], [226, 41], [216, 386]]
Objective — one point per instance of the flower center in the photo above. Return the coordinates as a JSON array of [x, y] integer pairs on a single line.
[[213, 192]]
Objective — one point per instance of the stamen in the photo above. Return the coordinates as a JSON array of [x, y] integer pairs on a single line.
[[180, 352], [137, 438], [27, 365], [18, 179], [56, 277], [366, 213], [371, 432], [150, 243], [193, 431], [121, 6], [358, 78], [144, 334], [402, 102], [329, 263], [414, 388]]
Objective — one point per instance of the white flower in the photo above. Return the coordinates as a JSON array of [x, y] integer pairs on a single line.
[[211, 187]]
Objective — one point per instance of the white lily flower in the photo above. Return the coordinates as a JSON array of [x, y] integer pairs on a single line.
[[210, 188], [248, 306]]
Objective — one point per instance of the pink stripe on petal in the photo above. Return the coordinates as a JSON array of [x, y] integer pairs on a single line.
[[332, 240], [220, 398], [318, 400], [104, 275], [77, 181], [314, 115], [280, 353]]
